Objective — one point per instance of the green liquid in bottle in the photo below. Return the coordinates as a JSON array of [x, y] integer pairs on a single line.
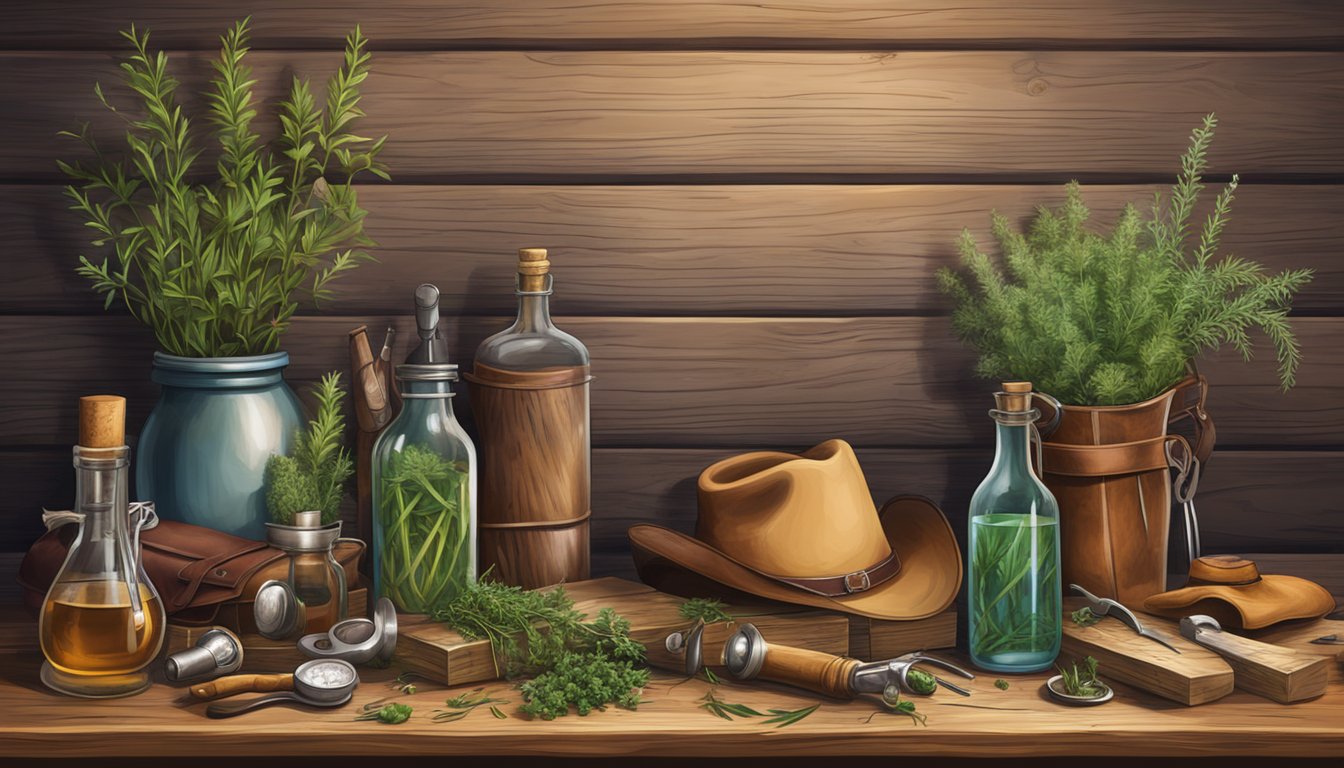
[[1015, 609]]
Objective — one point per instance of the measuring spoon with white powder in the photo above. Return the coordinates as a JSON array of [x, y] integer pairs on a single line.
[[316, 683]]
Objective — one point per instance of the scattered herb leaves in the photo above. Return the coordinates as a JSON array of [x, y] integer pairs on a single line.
[[1084, 617], [776, 717], [464, 704], [498, 713], [710, 676], [892, 702], [1082, 683], [403, 683], [391, 714], [1001, 684], [584, 681], [704, 609]]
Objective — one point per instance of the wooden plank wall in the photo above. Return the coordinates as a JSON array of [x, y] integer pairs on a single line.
[[746, 203]]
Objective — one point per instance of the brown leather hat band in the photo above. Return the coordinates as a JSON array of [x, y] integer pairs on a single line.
[[850, 583]]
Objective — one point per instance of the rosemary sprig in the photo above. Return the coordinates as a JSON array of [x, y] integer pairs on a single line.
[[1082, 682], [776, 717], [464, 704], [1084, 617], [704, 609]]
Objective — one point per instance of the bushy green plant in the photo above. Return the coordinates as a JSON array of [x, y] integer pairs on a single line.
[[213, 262], [314, 475], [1115, 319]]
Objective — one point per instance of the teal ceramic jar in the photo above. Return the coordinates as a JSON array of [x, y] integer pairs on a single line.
[[203, 451]]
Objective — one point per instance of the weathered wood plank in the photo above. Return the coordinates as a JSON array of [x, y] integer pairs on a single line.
[[808, 23], [619, 115], [673, 250], [881, 381], [1266, 501]]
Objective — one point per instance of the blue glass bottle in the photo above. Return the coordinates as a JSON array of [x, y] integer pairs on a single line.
[[1012, 575]]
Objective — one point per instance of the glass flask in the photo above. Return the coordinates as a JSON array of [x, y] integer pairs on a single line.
[[317, 580], [1012, 574], [424, 495], [529, 395], [102, 621]]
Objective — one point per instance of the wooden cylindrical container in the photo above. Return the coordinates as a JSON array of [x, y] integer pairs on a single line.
[[534, 478]]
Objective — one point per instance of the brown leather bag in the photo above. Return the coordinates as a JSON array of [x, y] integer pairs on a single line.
[[1109, 468], [202, 575]]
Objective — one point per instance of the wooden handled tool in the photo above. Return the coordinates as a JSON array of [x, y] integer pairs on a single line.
[[810, 670], [228, 686], [1276, 673]]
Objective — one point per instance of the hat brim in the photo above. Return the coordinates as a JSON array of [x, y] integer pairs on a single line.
[[916, 529], [1270, 600]]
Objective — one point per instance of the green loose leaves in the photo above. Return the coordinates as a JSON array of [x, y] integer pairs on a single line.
[[464, 704], [1001, 684], [313, 475], [1113, 319], [704, 610], [215, 261], [1084, 617], [779, 718], [893, 703], [390, 714], [584, 682], [1082, 682]]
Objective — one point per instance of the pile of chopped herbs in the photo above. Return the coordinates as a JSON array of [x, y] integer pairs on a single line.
[[1082, 682], [575, 663], [1084, 617], [705, 610]]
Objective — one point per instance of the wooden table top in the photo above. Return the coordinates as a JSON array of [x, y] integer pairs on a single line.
[[1020, 720]]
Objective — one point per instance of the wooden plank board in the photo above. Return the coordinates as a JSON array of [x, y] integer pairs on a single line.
[[675, 250], [452, 23], [882, 381], [534, 116], [444, 656], [670, 724], [1194, 676]]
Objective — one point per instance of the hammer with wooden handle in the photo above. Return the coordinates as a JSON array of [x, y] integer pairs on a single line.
[[1281, 674], [228, 686]]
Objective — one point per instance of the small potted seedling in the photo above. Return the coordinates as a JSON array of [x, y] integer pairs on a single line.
[[1079, 687]]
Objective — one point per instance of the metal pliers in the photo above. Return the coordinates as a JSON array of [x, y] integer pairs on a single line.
[[1104, 606]]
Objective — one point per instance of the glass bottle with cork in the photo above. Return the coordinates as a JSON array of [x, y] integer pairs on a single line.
[[530, 400], [102, 622], [1012, 573]]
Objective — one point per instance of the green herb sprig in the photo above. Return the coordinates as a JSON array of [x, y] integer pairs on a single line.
[[893, 703], [776, 717], [390, 714], [313, 476], [422, 502], [705, 610], [583, 682], [1082, 683], [464, 704], [1084, 617], [216, 266], [1098, 319]]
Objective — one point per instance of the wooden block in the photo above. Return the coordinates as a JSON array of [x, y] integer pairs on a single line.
[[1298, 635], [1194, 676], [441, 654], [1277, 673], [888, 639]]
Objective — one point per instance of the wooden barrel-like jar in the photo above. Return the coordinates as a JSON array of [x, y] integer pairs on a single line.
[[534, 473]]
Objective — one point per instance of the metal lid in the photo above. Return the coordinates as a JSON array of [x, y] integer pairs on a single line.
[[276, 610], [299, 538], [427, 372]]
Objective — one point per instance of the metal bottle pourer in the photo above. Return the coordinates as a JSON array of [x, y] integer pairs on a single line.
[[217, 652]]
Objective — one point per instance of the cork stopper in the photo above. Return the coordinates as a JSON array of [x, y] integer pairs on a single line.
[[1015, 397], [102, 421], [532, 268]]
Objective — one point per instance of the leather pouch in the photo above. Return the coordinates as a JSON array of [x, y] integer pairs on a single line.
[[202, 575]]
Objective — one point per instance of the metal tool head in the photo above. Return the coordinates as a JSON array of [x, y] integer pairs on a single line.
[[875, 676], [744, 653], [218, 652], [357, 641], [1191, 625]]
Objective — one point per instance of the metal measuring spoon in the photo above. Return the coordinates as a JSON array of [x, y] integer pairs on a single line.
[[357, 641], [317, 683]]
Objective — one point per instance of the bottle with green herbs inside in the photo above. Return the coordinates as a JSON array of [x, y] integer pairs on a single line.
[[1013, 580], [424, 495]]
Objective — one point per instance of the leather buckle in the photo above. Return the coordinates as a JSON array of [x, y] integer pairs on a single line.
[[863, 582]]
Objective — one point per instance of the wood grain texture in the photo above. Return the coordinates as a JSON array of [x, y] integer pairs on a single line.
[[1280, 674], [675, 250], [530, 116], [1192, 677], [685, 23], [792, 382], [669, 723]]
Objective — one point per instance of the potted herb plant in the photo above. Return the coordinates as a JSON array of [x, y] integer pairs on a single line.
[[1111, 325], [312, 477], [215, 260]]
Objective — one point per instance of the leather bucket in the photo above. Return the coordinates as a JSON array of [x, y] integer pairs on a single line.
[[1109, 467]]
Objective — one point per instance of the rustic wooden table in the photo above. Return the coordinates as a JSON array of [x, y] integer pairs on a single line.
[[163, 722]]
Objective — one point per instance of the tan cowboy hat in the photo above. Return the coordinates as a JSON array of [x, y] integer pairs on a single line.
[[802, 529], [1233, 591]]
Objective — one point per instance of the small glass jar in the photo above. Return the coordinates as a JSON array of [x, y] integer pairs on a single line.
[[316, 580], [424, 495]]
